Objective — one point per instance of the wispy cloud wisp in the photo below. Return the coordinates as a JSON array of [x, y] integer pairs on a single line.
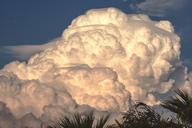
[[25, 51], [158, 7]]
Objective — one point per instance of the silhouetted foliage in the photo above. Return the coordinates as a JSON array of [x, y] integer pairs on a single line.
[[82, 121], [181, 104], [143, 116]]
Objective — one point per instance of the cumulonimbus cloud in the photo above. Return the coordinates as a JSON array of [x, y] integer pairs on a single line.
[[103, 60]]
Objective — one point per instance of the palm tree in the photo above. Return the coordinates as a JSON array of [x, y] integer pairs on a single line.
[[143, 116], [80, 120], [181, 104], [140, 115]]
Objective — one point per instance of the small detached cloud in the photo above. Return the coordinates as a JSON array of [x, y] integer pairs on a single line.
[[23, 52], [188, 62], [158, 7]]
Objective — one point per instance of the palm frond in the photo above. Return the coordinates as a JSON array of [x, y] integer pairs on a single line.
[[79, 120], [101, 123], [181, 104]]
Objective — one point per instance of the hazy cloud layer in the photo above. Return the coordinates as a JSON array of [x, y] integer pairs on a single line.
[[103, 59]]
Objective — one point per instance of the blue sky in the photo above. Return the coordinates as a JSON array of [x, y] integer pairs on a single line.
[[38, 21]]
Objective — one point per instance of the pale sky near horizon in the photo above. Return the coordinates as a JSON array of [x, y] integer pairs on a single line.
[[39, 21]]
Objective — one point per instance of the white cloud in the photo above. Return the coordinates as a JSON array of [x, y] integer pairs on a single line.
[[25, 51], [102, 59], [159, 7]]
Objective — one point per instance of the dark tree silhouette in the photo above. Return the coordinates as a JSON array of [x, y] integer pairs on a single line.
[[80, 120], [143, 116], [181, 104]]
